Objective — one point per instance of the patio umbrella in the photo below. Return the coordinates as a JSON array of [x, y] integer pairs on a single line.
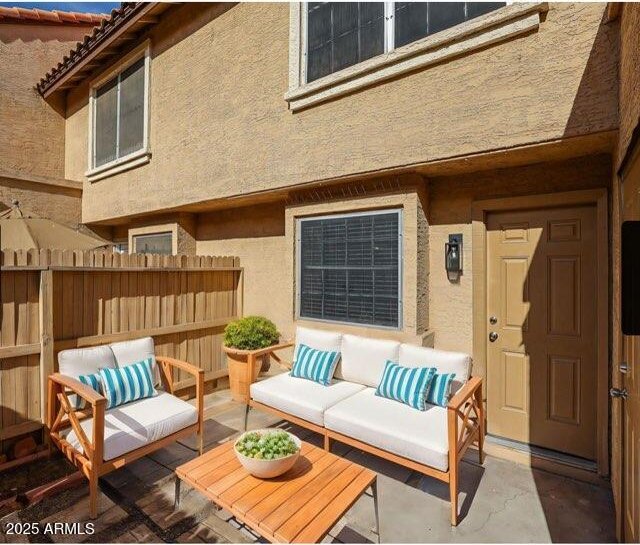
[[23, 232]]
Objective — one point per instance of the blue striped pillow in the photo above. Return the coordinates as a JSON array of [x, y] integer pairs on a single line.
[[408, 385], [93, 381], [315, 365], [440, 389], [125, 384]]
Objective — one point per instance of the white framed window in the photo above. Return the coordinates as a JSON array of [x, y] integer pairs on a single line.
[[342, 34], [337, 48], [119, 116], [349, 268], [153, 243]]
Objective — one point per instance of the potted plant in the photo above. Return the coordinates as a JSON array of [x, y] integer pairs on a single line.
[[244, 342]]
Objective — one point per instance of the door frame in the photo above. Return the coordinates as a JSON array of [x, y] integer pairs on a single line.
[[479, 212]]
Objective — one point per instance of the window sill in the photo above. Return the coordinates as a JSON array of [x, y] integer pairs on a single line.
[[133, 160], [495, 27]]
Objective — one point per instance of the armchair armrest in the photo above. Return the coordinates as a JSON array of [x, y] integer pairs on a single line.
[[167, 365], [89, 394], [462, 395], [187, 367]]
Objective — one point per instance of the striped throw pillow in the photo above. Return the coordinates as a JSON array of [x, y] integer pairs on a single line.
[[408, 385], [129, 383], [440, 389], [315, 365], [93, 381]]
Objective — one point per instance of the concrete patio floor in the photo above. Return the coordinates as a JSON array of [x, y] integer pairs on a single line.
[[501, 501]]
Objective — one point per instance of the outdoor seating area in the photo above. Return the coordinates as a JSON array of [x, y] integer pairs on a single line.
[[500, 501]]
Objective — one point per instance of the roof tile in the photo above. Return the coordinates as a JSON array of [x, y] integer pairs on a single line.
[[24, 15]]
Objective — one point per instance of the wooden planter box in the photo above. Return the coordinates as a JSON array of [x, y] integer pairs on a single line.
[[244, 368]]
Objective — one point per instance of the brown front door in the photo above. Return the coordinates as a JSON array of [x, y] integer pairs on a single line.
[[541, 319], [631, 383]]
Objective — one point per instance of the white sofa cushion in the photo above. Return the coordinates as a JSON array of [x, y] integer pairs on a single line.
[[392, 426], [363, 359], [299, 397], [327, 341], [85, 361], [131, 426], [444, 362], [129, 352]]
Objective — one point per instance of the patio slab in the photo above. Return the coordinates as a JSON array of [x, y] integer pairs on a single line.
[[500, 501]]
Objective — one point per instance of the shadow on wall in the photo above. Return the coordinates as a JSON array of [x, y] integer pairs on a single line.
[[595, 106], [258, 221]]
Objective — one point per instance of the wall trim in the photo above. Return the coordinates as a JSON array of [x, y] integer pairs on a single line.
[[599, 197]]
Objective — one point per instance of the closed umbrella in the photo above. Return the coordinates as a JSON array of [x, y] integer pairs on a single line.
[[19, 231]]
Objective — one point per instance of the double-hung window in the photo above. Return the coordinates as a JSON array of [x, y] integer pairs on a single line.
[[119, 112], [350, 268], [341, 34]]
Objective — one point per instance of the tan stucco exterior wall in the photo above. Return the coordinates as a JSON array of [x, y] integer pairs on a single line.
[[220, 125], [31, 131], [437, 311], [265, 242], [629, 75], [451, 199]]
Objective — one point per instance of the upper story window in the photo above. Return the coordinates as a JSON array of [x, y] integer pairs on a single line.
[[119, 113], [342, 34]]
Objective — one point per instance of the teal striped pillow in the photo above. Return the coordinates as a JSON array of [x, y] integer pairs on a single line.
[[93, 381], [440, 389], [125, 384], [406, 384], [315, 365]]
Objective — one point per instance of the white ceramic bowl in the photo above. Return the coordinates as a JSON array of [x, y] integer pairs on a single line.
[[268, 469]]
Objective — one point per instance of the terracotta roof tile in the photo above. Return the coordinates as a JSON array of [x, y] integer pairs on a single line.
[[41, 16]]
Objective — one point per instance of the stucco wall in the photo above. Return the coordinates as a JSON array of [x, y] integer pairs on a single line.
[[220, 125], [629, 74], [31, 131], [263, 238], [43, 200], [451, 199]]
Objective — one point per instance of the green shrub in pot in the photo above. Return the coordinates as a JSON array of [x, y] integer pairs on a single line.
[[251, 333]]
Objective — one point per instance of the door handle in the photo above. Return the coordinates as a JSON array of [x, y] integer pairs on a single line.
[[619, 392], [493, 336]]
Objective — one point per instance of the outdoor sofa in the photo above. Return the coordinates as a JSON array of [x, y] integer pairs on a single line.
[[99, 440], [431, 442]]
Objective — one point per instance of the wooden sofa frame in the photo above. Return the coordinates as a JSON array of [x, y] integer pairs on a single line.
[[61, 414], [466, 405]]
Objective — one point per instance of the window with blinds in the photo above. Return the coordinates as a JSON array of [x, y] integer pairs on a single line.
[[119, 110], [349, 268], [341, 34]]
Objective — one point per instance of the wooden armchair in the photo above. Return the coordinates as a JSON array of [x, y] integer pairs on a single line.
[[98, 441]]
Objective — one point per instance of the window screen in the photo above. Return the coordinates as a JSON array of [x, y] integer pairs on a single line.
[[341, 34], [119, 115], [349, 268], [157, 243], [415, 20]]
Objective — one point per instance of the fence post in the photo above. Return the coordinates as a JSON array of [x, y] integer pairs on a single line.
[[46, 341]]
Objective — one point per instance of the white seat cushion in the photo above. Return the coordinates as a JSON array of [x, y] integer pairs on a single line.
[[363, 359], [85, 361], [444, 362], [129, 352], [303, 398], [131, 426], [392, 426]]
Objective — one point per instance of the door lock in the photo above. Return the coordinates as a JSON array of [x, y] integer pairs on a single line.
[[619, 392], [493, 336], [493, 320]]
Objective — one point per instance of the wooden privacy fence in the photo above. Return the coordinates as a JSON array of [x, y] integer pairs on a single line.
[[55, 300]]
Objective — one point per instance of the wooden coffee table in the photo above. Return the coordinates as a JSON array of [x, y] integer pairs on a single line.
[[300, 506]]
